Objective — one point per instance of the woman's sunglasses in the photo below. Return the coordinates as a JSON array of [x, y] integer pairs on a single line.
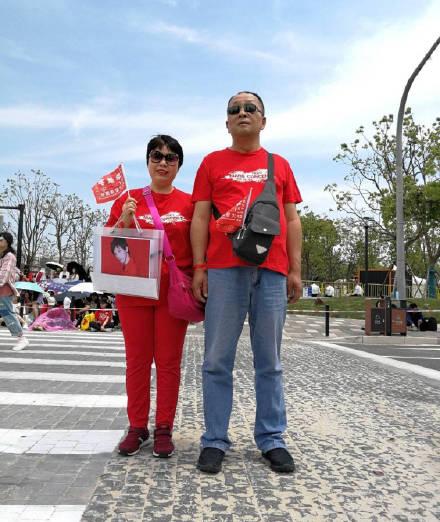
[[156, 157], [247, 107]]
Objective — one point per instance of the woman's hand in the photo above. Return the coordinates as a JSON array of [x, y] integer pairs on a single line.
[[128, 211]]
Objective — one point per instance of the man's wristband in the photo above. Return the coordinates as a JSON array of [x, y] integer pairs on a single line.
[[202, 266]]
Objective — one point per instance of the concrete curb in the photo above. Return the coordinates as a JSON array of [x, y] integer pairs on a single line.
[[388, 340]]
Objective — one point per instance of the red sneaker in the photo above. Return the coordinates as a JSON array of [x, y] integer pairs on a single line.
[[135, 439], [163, 445]]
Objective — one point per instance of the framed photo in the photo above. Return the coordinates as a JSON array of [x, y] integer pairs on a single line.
[[127, 261]]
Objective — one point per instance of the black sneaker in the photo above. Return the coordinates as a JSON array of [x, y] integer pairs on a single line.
[[210, 460], [280, 460]]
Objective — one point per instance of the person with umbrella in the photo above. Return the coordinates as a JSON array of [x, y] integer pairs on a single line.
[[8, 272]]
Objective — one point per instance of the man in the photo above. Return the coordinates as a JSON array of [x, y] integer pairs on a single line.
[[358, 291], [329, 291], [236, 288], [315, 290]]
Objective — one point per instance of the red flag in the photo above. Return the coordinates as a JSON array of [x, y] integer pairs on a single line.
[[110, 186], [233, 219]]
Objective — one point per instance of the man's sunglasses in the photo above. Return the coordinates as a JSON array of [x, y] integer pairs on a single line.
[[247, 107], [171, 158]]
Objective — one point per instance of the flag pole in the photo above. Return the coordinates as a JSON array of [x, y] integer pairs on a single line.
[[125, 177]]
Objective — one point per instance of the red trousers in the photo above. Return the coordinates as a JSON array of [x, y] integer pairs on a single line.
[[151, 334]]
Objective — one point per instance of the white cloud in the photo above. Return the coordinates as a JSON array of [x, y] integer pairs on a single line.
[[225, 44], [367, 83]]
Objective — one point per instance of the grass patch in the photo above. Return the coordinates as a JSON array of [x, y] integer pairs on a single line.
[[354, 307]]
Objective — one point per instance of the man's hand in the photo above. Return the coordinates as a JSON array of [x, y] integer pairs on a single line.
[[200, 285], [294, 287]]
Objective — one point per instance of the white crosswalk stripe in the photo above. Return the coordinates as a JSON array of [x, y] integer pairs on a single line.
[[67, 362], [61, 377], [51, 414], [63, 399]]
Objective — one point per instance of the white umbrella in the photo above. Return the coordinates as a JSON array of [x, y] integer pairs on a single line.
[[54, 265], [84, 287]]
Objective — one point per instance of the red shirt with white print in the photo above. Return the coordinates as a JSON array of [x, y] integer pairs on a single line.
[[102, 315], [175, 210], [227, 176]]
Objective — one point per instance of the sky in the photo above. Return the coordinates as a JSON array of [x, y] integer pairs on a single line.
[[85, 83]]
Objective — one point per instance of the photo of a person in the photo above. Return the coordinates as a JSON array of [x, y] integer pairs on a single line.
[[119, 248], [125, 256]]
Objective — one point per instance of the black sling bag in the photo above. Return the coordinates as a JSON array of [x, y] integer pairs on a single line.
[[252, 241]]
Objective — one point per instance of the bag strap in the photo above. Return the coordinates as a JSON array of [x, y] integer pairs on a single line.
[[169, 257], [270, 179]]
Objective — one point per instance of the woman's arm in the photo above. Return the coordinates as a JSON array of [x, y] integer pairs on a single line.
[[7, 266]]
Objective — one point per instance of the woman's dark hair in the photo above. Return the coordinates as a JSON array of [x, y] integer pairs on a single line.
[[163, 140], [9, 240]]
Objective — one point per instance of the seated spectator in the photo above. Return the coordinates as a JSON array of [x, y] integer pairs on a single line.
[[103, 319], [315, 290], [51, 301], [358, 291], [329, 291], [414, 317]]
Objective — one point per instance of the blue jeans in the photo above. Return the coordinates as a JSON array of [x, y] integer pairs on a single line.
[[233, 293], [9, 316]]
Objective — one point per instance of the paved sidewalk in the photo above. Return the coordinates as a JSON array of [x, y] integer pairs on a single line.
[[313, 327], [365, 438]]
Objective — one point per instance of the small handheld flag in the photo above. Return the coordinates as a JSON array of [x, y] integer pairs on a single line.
[[110, 186], [234, 218]]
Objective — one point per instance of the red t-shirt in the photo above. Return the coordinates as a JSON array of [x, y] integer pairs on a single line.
[[176, 210], [102, 315], [224, 178]]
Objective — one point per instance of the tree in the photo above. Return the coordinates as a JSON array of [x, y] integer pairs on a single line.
[[61, 213], [32, 190], [372, 183], [82, 232], [320, 259]]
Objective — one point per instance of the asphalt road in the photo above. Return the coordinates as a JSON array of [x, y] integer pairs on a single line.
[[427, 355]]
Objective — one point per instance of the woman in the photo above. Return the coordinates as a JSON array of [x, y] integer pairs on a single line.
[[8, 271], [150, 332]]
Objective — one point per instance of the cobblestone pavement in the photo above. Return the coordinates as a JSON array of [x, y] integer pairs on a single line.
[[365, 437]]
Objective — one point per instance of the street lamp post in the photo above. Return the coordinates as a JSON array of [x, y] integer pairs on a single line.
[[20, 208], [367, 220], [400, 240], [366, 258]]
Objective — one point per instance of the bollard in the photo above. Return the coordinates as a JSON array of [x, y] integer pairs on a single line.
[[388, 316], [327, 320]]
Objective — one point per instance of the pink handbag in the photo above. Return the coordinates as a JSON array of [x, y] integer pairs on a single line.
[[181, 302]]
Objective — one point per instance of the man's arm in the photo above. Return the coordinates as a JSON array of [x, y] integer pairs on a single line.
[[294, 245], [199, 243]]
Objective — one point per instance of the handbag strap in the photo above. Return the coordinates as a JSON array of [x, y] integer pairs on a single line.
[[270, 178], [270, 171], [169, 257]]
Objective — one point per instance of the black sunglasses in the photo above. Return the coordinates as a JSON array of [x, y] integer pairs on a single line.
[[247, 107], [171, 158]]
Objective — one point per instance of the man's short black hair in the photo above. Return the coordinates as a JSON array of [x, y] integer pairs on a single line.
[[118, 242], [163, 140], [253, 94]]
